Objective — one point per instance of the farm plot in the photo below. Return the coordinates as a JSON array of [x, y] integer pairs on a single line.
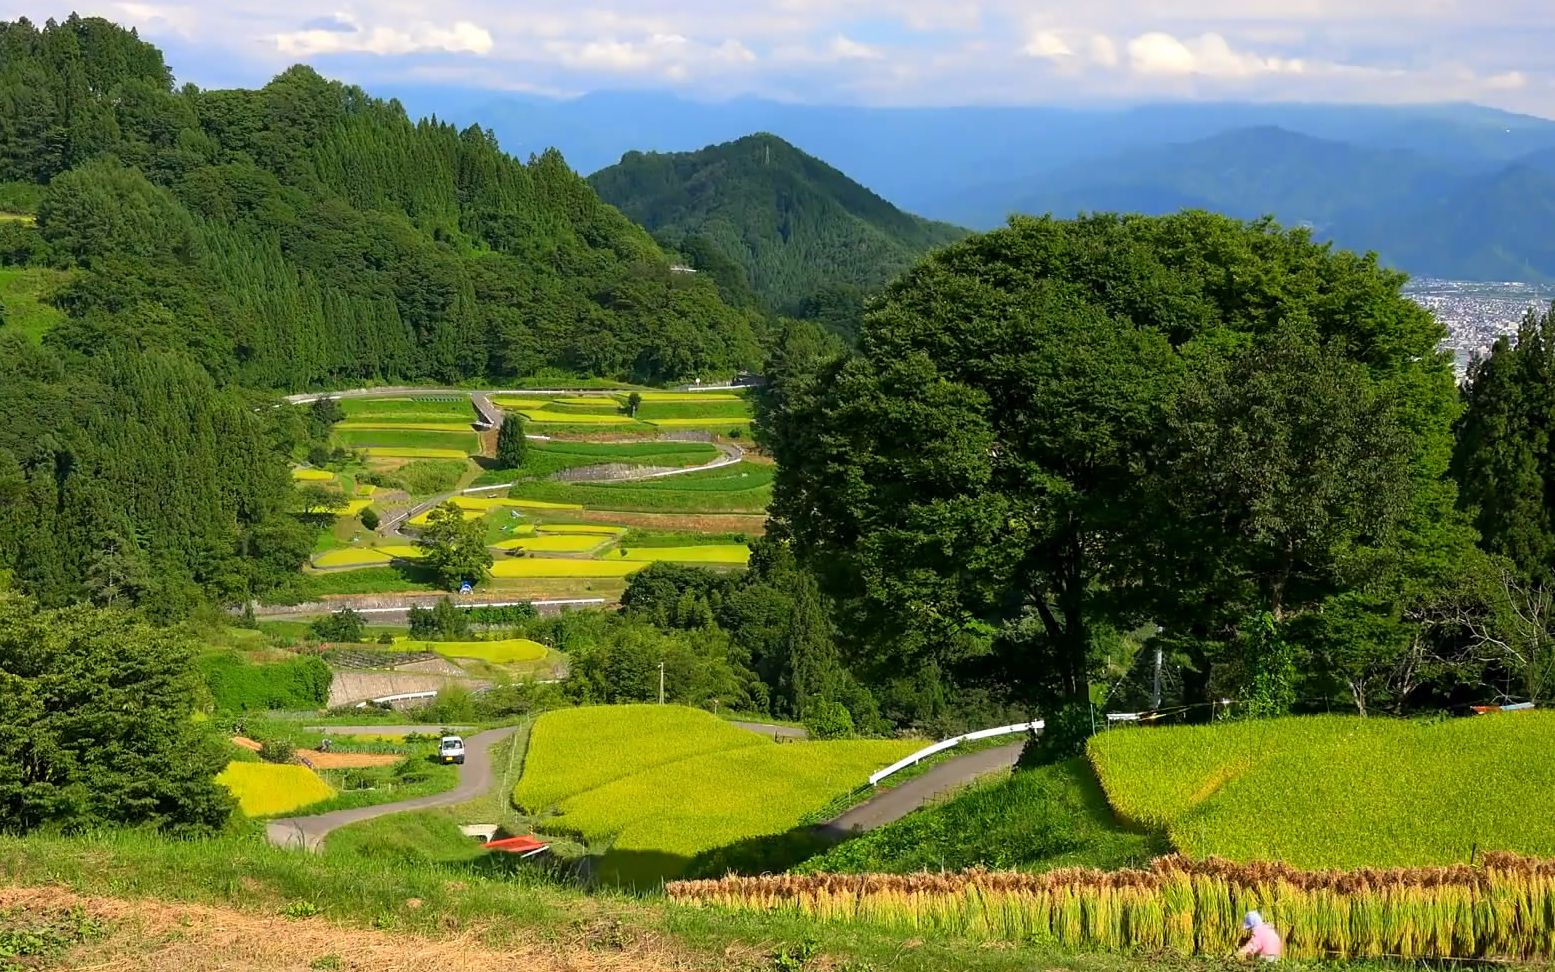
[[302, 475], [505, 652], [724, 553], [542, 568], [547, 458], [660, 412], [352, 557], [744, 487], [665, 783], [565, 746], [397, 410], [269, 789], [1326, 791], [379, 440], [558, 543]]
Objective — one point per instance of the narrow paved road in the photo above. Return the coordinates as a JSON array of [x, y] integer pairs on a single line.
[[475, 778], [899, 801], [768, 729]]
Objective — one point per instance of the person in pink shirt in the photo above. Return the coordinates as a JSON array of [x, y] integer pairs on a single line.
[[1263, 942]]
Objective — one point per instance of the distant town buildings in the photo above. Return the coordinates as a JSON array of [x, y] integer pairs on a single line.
[[1476, 313]]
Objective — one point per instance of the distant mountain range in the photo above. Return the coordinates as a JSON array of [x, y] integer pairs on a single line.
[[794, 225], [1446, 190]]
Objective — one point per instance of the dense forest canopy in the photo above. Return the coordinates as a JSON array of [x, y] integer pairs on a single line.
[[795, 229], [306, 234], [218, 246], [1062, 431]]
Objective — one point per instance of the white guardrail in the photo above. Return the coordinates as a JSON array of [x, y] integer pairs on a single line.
[[1034, 726]]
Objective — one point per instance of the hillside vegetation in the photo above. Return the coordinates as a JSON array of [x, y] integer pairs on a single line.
[[306, 232], [793, 225]]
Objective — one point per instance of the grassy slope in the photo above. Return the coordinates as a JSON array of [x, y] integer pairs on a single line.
[[1339, 791], [1033, 820], [661, 784], [22, 291], [526, 908]]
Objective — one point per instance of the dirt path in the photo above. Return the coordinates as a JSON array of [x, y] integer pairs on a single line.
[[776, 732], [167, 936], [475, 778], [899, 801]]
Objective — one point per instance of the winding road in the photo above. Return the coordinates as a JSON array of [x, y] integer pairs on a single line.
[[897, 802], [475, 779]]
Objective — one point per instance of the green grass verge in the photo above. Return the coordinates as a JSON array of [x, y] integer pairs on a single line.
[[1338, 791], [367, 580], [513, 911], [1033, 820], [25, 291]]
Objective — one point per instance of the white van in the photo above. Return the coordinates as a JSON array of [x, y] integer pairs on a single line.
[[451, 750]]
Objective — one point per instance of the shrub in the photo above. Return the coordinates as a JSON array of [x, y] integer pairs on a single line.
[[346, 625], [277, 751], [826, 719], [369, 518]]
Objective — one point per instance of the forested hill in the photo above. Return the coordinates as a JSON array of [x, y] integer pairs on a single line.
[[793, 224], [306, 234], [197, 251]]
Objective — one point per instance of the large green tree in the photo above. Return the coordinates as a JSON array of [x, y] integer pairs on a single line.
[[454, 547], [97, 727], [1071, 424], [512, 447]]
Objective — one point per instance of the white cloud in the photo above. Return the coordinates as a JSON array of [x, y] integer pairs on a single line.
[[1507, 81], [460, 37], [844, 48], [1208, 54], [1047, 44], [1102, 50], [675, 56]]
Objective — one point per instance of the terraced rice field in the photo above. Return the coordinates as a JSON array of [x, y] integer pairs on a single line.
[[543, 416], [503, 652], [1324, 791], [600, 529], [351, 557], [381, 425], [723, 553], [406, 409], [399, 437], [396, 452], [699, 423], [744, 487], [557, 543], [537, 568], [269, 789], [664, 783], [312, 475]]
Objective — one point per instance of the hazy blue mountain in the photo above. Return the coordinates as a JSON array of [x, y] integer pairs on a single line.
[[929, 160], [1245, 173], [794, 225], [1494, 227]]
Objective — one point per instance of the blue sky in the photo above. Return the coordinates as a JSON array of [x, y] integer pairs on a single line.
[[884, 52]]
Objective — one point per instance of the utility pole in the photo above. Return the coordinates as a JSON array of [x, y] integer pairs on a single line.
[[1155, 695], [661, 683]]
